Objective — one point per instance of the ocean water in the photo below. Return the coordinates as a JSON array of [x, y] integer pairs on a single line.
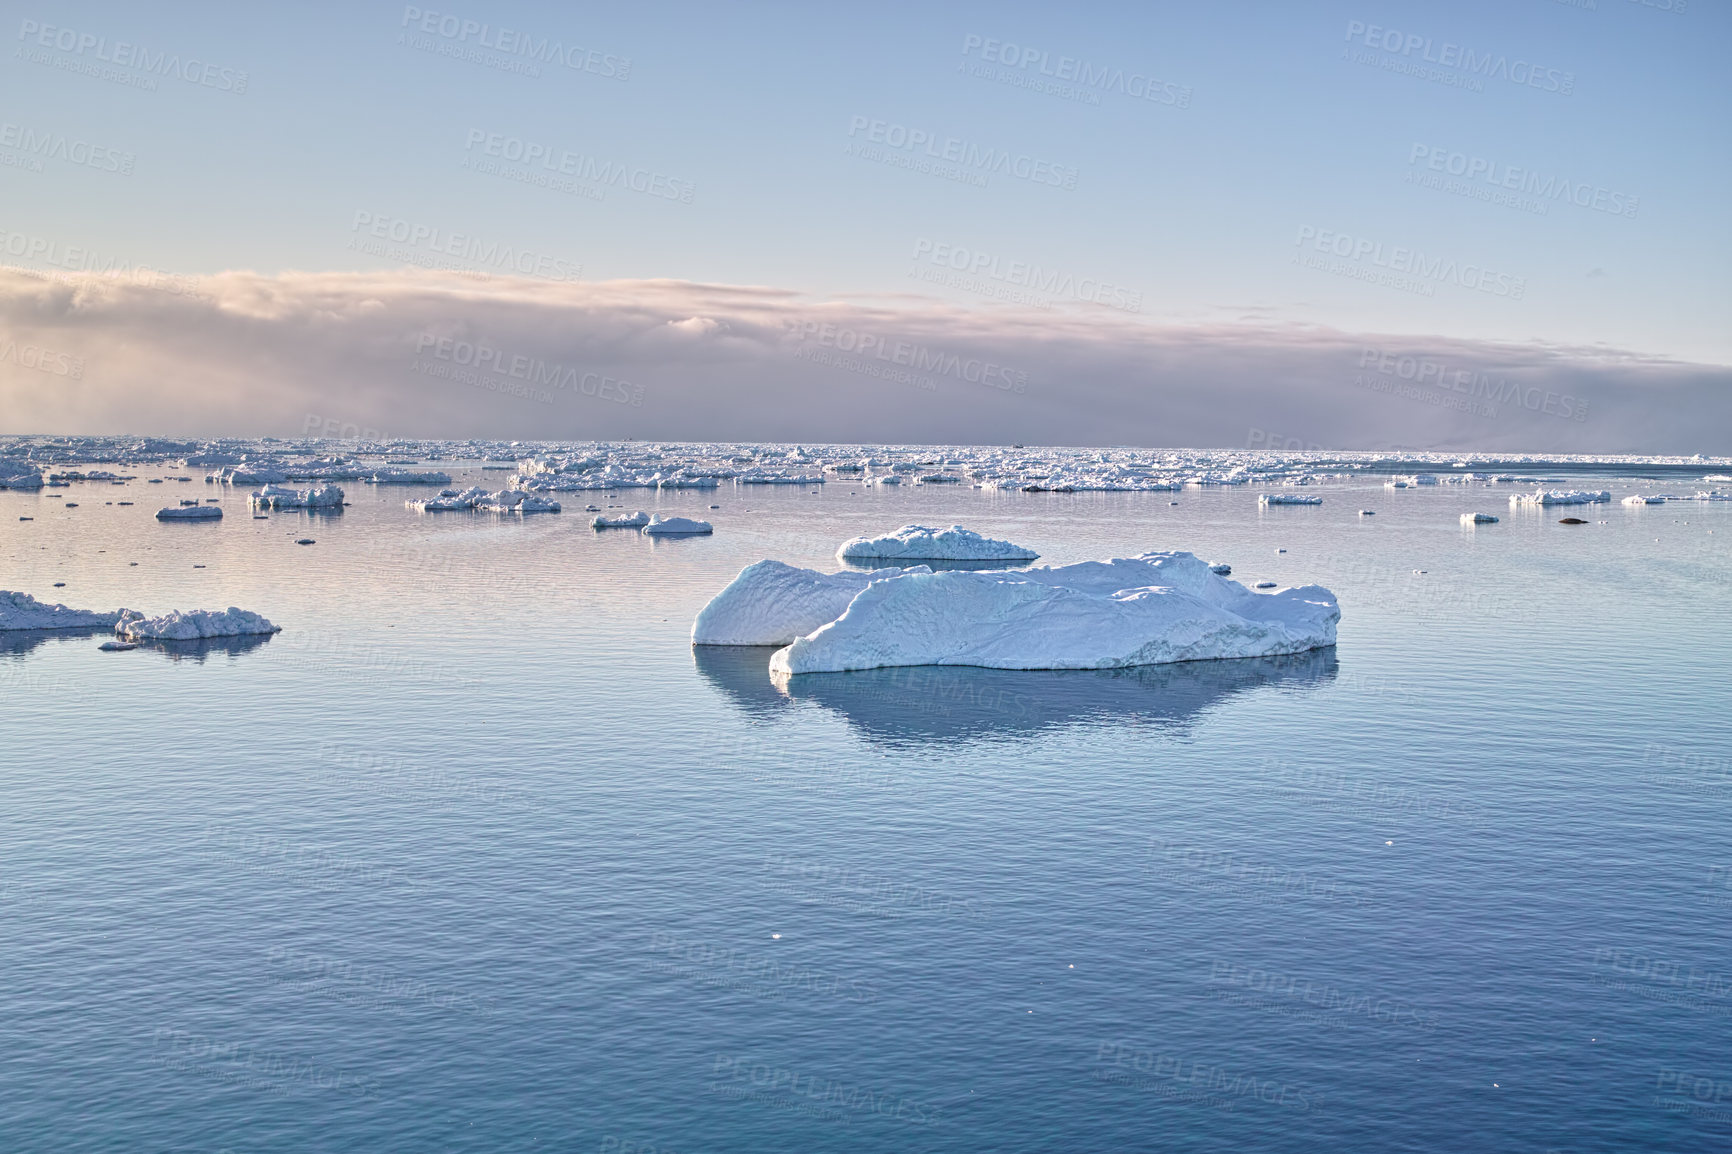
[[478, 855]]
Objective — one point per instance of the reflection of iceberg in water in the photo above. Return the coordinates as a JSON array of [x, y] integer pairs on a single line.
[[742, 673], [955, 701], [207, 647], [18, 642]]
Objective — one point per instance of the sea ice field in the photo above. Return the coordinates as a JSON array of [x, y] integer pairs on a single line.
[[479, 816]]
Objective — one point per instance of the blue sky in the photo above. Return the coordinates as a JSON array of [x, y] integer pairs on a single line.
[[1300, 164]]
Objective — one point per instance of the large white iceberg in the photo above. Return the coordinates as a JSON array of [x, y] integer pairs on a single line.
[[772, 603], [1560, 497], [22, 611], [285, 497], [192, 625], [1144, 610], [921, 543]]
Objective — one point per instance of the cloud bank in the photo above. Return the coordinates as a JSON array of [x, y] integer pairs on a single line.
[[418, 354]]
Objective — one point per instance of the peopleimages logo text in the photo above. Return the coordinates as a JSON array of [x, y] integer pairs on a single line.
[[125, 55], [963, 153], [1486, 65], [1413, 263], [1081, 73], [1524, 180], [512, 42]]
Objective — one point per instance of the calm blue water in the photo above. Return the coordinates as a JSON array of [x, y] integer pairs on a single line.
[[475, 855]]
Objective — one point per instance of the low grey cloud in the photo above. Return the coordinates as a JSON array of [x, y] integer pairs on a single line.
[[417, 354]]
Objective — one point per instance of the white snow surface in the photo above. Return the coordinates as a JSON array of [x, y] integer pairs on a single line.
[[772, 603], [192, 625], [660, 526], [921, 543], [1150, 609], [22, 611]]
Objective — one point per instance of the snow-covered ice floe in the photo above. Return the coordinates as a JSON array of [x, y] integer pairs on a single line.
[[18, 475], [190, 513], [1560, 497], [1145, 610], [920, 543], [1478, 519], [1639, 499], [284, 497], [1287, 499], [660, 526], [192, 625], [22, 611], [636, 520], [772, 603]]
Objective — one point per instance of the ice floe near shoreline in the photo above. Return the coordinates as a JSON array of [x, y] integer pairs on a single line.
[[22, 611], [921, 543], [192, 625], [772, 603], [1145, 610]]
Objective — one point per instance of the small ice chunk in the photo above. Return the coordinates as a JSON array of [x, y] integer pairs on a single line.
[[636, 520], [1221, 570], [117, 646], [1288, 499], [1639, 499], [1478, 519], [660, 526], [921, 543], [1264, 585], [1560, 497], [190, 513]]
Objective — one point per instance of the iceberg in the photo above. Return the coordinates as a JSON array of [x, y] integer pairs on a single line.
[[190, 513], [1150, 609], [1287, 499], [1639, 499], [1478, 519], [283, 497], [22, 611], [517, 501], [772, 603], [636, 521], [193, 625], [18, 475], [660, 526], [448, 500], [920, 543], [1560, 497]]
